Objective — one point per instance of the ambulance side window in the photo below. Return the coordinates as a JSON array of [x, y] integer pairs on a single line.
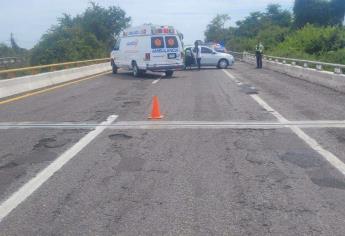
[[157, 42], [117, 45]]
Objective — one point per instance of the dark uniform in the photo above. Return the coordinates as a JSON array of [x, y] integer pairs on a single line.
[[189, 59]]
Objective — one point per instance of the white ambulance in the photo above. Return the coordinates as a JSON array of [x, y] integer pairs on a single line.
[[148, 48]]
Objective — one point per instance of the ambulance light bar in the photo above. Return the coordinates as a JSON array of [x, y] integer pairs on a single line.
[[164, 30]]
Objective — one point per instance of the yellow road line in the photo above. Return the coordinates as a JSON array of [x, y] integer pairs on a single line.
[[49, 89]]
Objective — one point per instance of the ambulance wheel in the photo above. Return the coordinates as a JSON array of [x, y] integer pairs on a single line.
[[169, 73], [114, 69], [136, 71], [113, 66]]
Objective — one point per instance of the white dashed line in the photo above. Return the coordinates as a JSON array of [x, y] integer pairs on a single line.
[[30, 187], [156, 81], [312, 143], [233, 78]]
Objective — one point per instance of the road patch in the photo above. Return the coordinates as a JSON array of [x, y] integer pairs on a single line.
[[312, 143], [30, 187]]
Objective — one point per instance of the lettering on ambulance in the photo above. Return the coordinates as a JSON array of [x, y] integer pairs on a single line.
[[159, 50], [157, 45], [133, 43], [172, 50], [136, 32]]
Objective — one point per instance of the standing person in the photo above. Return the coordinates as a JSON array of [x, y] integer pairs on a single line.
[[189, 59], [259, 50], [197, 49]]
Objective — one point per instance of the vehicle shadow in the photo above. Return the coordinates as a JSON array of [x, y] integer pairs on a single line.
[[147, 76], [204, 68], [127, 75]]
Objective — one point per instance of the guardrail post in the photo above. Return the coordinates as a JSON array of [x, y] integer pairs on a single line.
[[293, 63], [34, 71], [11, 75], [338, 70], [319, 67], [305, 65], [284, 62]]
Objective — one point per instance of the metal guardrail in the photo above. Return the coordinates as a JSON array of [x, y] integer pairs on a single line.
[[11, 73], [12, 62], [237, 55], [8, 61], [318, 65]]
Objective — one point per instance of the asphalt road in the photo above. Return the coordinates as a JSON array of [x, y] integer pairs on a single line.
[[182, 181]]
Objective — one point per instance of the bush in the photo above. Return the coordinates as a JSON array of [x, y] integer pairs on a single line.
[[335, 56], [315, 43], [272, 35], [68, 44]]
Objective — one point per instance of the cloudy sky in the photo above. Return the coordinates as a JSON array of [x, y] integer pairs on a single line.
[[29, 19]]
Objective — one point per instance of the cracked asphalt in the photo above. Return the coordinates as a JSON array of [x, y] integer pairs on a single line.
[[183, 181]]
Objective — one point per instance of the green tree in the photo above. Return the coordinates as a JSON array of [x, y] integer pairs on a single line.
[[276, 16], [216, 30], [66, 44], [337, 10], [14, 44], [12, 51], [104, 23], [272, 35], [86, 36], [6, 51], [319, 12], [315, 12], [251, 25], [271, 27]]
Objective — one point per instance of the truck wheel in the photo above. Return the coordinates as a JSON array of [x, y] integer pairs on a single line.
[[223, 64], [169, 73]]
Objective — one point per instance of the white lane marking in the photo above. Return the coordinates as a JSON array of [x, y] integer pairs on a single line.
[[233, 78], [30, 187], [156, 81], [182, 124], [312, 143], [330, 157], [268, 108]]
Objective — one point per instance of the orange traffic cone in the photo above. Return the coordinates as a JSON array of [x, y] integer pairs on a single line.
[[155, 114]]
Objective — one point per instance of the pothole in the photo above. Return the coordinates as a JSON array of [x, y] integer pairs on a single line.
[[51, 143], [131, 164], [130, 103], [302, 159], [329, 182], [120, 136], [9, 165], [339, 134], [248, 89]]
